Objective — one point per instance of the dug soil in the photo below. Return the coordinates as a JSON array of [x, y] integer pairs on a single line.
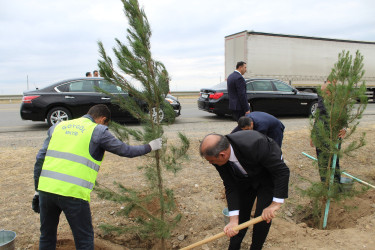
[[199, 196]]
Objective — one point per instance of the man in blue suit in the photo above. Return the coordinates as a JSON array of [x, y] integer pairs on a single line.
[[264, 123], [236, 86]]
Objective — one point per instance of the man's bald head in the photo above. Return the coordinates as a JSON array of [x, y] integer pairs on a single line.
[[213, 144]]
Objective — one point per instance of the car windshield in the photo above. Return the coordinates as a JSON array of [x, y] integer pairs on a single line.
[[222, 85]]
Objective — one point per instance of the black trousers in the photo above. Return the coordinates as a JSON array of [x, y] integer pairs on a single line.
[[264, 195], [77, 213], [236, 114], [323, 163]]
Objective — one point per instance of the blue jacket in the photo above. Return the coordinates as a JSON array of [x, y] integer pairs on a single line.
[[102, 140], [268, 125], [236, 86]]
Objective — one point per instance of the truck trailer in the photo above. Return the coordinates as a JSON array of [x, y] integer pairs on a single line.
[[302, 61]]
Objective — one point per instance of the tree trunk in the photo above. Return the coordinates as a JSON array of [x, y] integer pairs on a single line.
[[161, 192]]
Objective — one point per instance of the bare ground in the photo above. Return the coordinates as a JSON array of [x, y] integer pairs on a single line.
[[199, 195]]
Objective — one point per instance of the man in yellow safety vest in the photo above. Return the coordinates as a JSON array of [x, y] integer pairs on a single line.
[[66, 169]]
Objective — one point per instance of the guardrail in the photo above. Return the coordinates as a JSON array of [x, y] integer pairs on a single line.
[[12, 98], [185, 93]]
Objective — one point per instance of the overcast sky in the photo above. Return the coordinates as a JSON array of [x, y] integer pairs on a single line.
[[53, 40]]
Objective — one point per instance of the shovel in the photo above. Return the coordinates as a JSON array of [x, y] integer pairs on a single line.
[[219, 235]]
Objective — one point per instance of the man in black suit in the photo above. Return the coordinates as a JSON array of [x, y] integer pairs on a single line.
[[236, 86], [250, 165], [264, 123]]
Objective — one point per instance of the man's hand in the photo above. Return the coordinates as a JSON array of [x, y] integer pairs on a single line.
[[269, 212], [248, 112], [156, 144], [35, 203], [228, 229]]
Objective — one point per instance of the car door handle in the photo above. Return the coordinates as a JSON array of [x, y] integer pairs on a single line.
[[69, 97], [106, 98]]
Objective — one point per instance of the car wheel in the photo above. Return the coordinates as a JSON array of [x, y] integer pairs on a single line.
[[155, 115], [58, 114], [313, 108]]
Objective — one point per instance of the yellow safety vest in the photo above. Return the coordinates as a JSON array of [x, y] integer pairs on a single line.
[[68, 168]]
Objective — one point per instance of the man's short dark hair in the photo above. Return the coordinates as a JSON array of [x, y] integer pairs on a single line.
[[95, 71], [100, 110], [221, 145], [244, 121], [88, 73], [239, 64]]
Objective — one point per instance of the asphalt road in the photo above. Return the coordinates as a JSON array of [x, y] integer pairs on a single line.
[[11, 121]]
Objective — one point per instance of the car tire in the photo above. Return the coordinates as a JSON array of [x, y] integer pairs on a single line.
[[154, 115], [58, 114], [312, 109]]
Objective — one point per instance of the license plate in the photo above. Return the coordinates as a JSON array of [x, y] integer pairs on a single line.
[[204, 95]]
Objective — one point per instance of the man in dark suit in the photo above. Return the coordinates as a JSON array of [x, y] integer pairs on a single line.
[[250, 166], [264, 123], [236, 86]]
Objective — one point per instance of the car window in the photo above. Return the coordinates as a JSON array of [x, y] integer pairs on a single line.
[[62, 88], [109, 87], [249, 86], [262, 85], [281, 86], [81, 86]]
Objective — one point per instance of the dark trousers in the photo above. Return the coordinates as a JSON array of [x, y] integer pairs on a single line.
[[264, 197], [236, 114], [77, 213], [323, 163]]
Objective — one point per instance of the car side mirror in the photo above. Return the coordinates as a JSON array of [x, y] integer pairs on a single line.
[[294, 91]]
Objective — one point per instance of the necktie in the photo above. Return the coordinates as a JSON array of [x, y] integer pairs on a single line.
[[237, 171]]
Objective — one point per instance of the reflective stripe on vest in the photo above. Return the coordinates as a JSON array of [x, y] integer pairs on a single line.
[[73, 157], [67, 178]]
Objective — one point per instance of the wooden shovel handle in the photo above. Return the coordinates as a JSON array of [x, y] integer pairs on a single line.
[[219, 235]]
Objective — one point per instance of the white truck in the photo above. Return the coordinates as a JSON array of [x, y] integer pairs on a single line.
[[303, 62]]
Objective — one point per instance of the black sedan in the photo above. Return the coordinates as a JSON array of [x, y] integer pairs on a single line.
[[72, 98], [268, 95]]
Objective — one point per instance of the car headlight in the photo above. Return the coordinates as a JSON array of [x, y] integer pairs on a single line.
[[171, 101]]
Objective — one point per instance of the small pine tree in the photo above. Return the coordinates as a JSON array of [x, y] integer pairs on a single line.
[[148, 104], [345, 103]]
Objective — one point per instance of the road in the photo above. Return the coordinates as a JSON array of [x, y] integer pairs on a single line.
[[11, 121]]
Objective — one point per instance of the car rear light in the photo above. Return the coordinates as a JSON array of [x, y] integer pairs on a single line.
[[216, 95], [28, 99]]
